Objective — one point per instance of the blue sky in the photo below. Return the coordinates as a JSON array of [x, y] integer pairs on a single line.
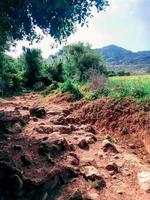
[[125, 23]]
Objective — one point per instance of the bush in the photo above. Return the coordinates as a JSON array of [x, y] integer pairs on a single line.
[[56, 71], [97, 81], [67, 86], [98, 93], [49, 89]]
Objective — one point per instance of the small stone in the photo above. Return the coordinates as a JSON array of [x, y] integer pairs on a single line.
[[120, 192], [124, 131], [38, 112], [75, 162], [112, 167], [132, 146], [112, 173], [109, 147], [83, 144], [77, 195], [144, 180], [26, 159], [35, 119], [116, 157], [17, 147], [16, 182], [114, 177], [45, 197]]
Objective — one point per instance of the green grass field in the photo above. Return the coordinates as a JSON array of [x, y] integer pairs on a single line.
[[134, 86]]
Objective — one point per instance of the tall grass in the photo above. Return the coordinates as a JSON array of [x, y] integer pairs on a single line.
[[137, 87], [134, 86]]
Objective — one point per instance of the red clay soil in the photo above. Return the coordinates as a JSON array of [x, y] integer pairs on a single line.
[[75, 150]]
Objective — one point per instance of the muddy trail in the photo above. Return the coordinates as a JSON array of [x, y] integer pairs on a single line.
[[58, 149]]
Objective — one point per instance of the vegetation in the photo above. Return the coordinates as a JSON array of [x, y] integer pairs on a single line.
[[76, 69], [137, 87], [67, 86], [58, 18], [79, 60]]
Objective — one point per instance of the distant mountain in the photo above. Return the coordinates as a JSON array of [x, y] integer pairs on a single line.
[[121, 58]]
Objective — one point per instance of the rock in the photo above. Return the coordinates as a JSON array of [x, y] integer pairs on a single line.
[[17, 147], [59, 176], [11, 179], [37, 112], [90, 129], [109, 147], [77, 195], [92, 195], [11, 122], [38, 86], [67, 173], [92, 174], [16, 182], [62, 129], [144, 181], [26, 160], [45, 196], [74, 160], [15, 128], [132, 146], [112, 167], [124, 131], [120, 192], [90, 138], [53, 179], [44, 129], [60, 121], [55, 145], [34, 119], [83, 144]]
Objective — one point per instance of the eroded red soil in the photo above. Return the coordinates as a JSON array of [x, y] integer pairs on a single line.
[[73, 151]]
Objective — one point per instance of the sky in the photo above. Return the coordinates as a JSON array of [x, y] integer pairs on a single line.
[[125, 23]]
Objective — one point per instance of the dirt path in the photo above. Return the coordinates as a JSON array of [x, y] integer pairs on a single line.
[[61, 149]]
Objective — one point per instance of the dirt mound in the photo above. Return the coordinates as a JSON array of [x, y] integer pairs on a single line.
[[122, 116]]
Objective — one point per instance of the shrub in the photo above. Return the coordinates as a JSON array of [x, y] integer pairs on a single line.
[[97, 81], [98, 184], [49, 89], [98, 93], [68, 86], [56, 71]]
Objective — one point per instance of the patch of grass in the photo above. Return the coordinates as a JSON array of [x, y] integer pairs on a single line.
[[137, 87], [133, 87], [97, 184], [110, 139], [68, 86]]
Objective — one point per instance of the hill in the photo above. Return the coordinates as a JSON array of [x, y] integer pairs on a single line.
[[120, 58]]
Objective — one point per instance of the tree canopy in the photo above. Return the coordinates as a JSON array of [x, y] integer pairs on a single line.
[[18, 18], [79, 60]]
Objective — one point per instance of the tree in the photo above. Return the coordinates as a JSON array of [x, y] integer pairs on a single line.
[[18, 18], [34, 63], [79, 59], [10, 78]]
